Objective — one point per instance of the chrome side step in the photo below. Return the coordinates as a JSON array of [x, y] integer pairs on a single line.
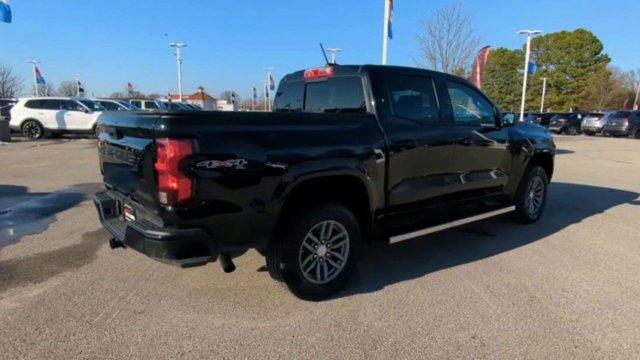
[[430, 230]]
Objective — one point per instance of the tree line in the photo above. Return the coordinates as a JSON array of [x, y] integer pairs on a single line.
[[579, 74]]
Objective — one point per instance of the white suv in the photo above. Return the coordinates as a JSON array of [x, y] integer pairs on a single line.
[[35, 117]]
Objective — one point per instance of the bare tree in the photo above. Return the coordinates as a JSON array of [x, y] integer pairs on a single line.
[[447, 42], [45, 90], [230, 96], [68, 88], [10, 83]]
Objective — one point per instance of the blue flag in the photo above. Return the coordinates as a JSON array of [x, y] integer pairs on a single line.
[[39, 77], [532, 68], [5, 11]]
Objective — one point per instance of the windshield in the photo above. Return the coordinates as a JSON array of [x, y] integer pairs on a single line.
[[92, 105]]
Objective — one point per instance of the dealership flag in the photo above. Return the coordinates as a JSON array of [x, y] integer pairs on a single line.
[[5, 11], [129, 87], [532, 67], [39, 77], [389, 20], [272, 83], [80, 88], [479, 66]]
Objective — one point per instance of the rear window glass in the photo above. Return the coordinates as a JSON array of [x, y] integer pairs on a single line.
[[289, 96], [340, 94], [620, 115], [150, 105], [43, 104]]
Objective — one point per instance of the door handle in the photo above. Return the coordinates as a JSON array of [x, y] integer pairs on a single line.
[[466, 141]]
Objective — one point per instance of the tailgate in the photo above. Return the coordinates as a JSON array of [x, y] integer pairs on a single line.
[[126, 149]]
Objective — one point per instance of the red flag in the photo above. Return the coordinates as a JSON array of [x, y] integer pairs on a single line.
[[626, 103], [479, 66]]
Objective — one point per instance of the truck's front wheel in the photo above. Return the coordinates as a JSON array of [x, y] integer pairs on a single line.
[[531, 196], [314, 255]]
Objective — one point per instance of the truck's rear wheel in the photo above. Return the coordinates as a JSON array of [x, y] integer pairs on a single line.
[[531, 196], [314, 255]]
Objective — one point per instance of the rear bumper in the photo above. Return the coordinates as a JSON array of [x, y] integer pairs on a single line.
[[557, 128], [182, 247], [615, 131], [592, 129]]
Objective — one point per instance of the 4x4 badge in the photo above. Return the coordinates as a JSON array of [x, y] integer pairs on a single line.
[[237, 164]]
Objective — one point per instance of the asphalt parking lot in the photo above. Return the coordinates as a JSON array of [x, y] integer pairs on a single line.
[[566, 287]]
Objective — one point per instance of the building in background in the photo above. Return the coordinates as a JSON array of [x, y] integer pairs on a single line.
[[224, 105], [200, 98]]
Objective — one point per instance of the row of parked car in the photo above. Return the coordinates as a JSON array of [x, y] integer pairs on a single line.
[[36, 117], [610, 123]]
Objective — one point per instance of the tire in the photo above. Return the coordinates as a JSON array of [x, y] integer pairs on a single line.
[[636, 135], [32, 130], [301, 257], [589, 133], [571, 130], [534, 181]]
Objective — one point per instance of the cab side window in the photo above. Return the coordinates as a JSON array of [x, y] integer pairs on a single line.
[[150, 105], [413, 98], [469, 106]]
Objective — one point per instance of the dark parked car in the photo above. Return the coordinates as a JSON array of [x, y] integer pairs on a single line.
[[593, 123], [5, 107], [568, 123], [623, 123], [541, 119], [352, 154]]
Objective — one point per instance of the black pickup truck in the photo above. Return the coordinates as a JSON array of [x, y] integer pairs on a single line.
[[350, 155]]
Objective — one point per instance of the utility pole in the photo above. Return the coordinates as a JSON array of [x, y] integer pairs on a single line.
[[267, 88], [544, 92], [530, 34], [333, 52], [35, 78], [178, 46], [385, 31]]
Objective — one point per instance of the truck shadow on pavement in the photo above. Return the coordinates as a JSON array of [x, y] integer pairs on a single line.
[[567, 204], [25, 213]]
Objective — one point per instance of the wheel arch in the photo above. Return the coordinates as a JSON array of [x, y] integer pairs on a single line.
[[347, 189], [545, 160]]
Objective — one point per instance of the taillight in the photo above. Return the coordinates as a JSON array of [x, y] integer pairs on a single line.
[[174, 187], [319, 73]]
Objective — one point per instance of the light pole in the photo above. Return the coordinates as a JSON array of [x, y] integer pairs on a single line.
[[333, 52], [544, 93], [178, 46], [35, 77], [530, 34]]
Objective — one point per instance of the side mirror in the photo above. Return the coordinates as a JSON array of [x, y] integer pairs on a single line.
[[509, 119]]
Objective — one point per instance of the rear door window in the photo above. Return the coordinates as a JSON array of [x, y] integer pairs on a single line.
[[413, 98], [50, 104], [335, 95], [137, 103]]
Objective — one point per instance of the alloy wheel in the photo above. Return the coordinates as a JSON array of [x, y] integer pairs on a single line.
[[324, 252]]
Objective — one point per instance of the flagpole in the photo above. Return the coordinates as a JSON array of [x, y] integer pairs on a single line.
[[35, 78], [544, 93], [530, 34], [268, 88], [385, 32]]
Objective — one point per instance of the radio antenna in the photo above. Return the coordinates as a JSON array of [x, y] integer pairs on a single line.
[[324, 54]]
